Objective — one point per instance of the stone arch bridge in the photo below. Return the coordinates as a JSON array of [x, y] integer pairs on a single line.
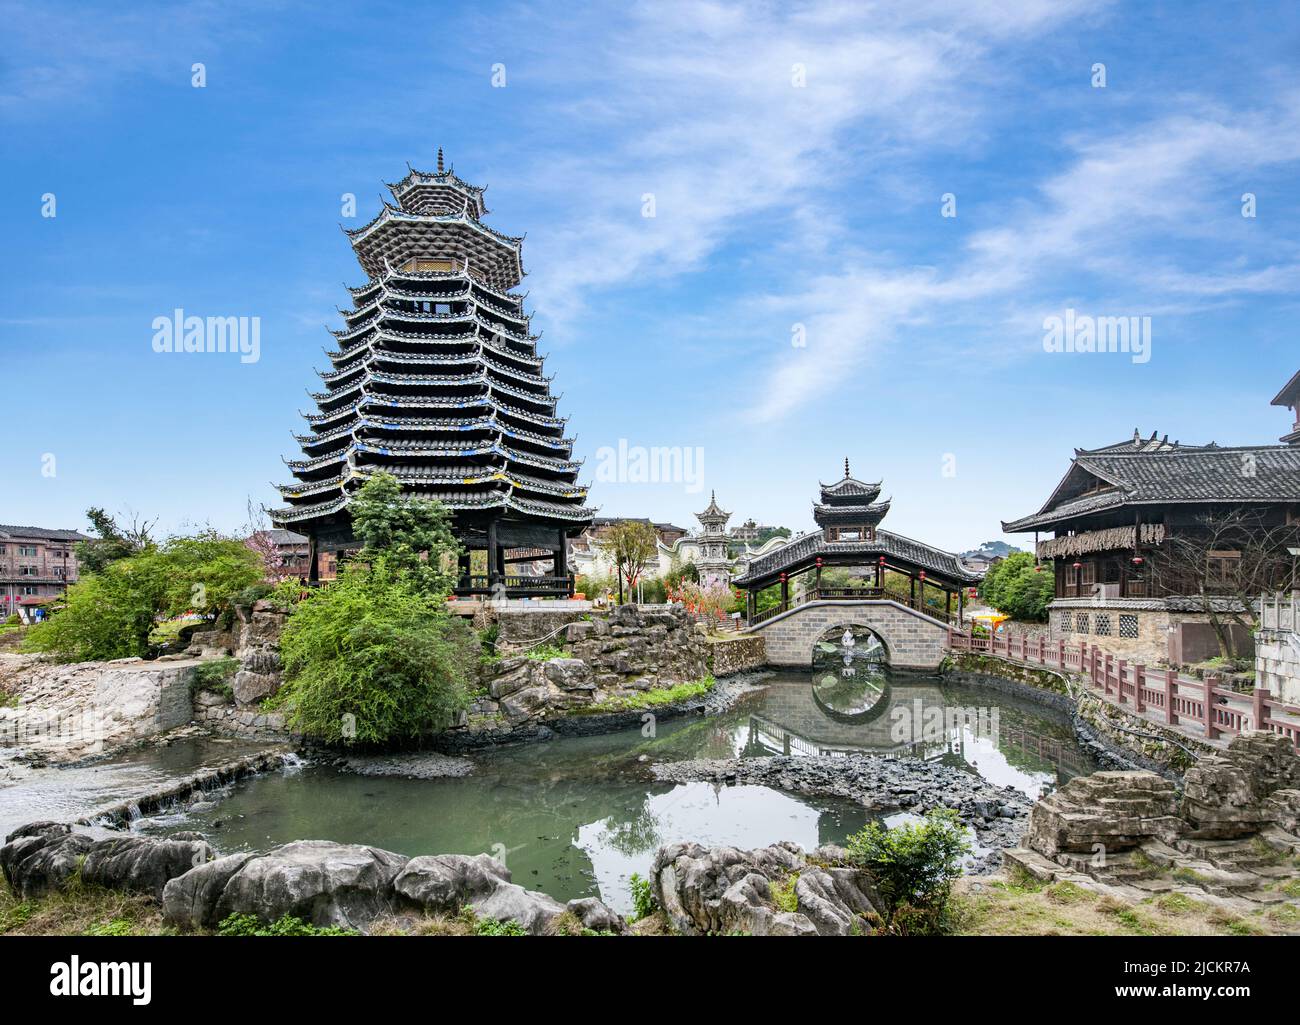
[[913, 640]]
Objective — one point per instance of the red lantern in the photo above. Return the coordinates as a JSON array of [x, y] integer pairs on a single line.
[[819, 562], [1138, 560], [921, 576], [783, 578], [881, 560], [1077, 565], [1038, 568]]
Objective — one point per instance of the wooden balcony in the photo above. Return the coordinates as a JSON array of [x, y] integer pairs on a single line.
[[515, 586]]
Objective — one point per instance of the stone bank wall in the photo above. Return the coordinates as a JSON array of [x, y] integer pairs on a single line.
[[729, 655]]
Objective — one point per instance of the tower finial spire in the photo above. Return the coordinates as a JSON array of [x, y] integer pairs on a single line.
[[440, 171], [846, 468]]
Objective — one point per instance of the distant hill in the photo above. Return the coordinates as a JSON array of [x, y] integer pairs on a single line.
[[992, 550]]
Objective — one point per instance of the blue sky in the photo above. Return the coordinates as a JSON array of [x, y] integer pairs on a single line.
[[776, 204]]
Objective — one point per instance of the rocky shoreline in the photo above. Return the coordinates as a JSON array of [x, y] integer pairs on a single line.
[[996, 815]]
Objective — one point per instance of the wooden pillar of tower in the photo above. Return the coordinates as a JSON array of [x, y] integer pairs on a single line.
[[493, 554], [947, 603], [463, 570], [313, 560], [878, 568], [785, 593], [751, 604], [561, 563], [912, 588]]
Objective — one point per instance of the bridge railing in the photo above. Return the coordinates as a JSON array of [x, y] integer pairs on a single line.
[[1206, 704], [852, 594]]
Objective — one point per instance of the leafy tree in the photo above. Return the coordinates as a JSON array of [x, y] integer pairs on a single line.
[[110, 613], [1016, 588], [914, 866], [413, 534], [629, 545]]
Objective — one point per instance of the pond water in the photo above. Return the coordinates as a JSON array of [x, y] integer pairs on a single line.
[[577, 816]]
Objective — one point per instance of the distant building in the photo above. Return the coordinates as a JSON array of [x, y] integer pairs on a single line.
[[713, 564], [36, 566], [289, 555], [676, 546]]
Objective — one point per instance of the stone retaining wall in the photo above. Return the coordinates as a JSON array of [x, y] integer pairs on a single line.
[[728, 655], [1277, 664], [607, 656]]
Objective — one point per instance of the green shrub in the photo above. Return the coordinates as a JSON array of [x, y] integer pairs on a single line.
[[914, 866], [372, 658], [287, 925], [215, 676], [643, 897], [783, 895], [546, 652], [493, 927]]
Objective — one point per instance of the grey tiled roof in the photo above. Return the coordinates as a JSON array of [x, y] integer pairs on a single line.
[[40, 533], [895, 546], [1210, 474]]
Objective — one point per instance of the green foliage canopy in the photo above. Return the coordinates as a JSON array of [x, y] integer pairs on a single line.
[[1013, 587]]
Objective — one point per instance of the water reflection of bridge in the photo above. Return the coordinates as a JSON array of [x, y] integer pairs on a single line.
[[793, 723]]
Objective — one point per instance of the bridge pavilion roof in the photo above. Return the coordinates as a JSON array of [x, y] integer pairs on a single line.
[[901, 553]]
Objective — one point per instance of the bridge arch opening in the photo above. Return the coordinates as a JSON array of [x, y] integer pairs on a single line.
[[850, 677]]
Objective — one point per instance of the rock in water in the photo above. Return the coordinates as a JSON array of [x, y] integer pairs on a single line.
[[319, 881]]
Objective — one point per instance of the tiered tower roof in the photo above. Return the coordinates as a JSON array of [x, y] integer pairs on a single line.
[[435, 376], [849, 501]]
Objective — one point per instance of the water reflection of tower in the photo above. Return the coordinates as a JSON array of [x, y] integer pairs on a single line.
[[847, 642]]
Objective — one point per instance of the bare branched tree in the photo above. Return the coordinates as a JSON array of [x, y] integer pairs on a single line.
[[1225, 561]]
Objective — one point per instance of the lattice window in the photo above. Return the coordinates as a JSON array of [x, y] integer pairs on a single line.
[[1128, 626], [1101, 626], [1067, 623], [1081, 622]]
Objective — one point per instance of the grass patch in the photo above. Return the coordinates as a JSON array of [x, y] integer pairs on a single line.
[[1065, 892], [652, 698], [80, 910], [783, 895], [1004, 907], [545, 653]]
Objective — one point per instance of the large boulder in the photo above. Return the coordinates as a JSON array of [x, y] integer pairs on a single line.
[[319, 881], [1111, 810], [42, 857], [446, 882], [569, 674], [190, 900], [723, 891], [510, 902], [1219, 800], [594, 914], [139, 864]]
